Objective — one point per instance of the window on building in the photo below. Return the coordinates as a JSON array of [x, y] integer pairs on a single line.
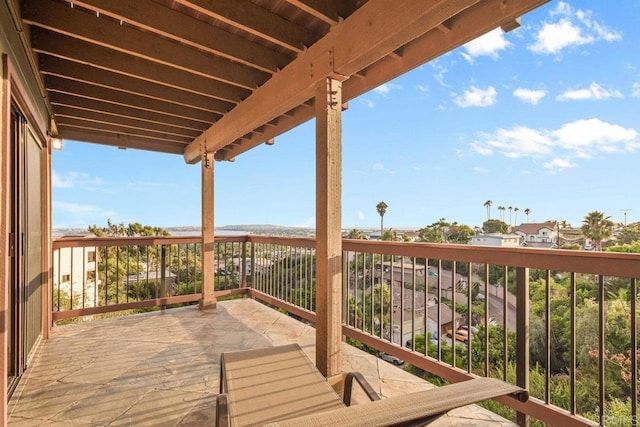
[[91, 256], [91, 275], [66, 277]]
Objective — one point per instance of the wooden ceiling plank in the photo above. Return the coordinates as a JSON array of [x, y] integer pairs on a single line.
[[59, 84], [175, 25], [337, 53], [89, 124], [121, 120], [125, 141], [325, 10], [255, 20], [76, 23], [73, 101], [71, 49], [51, 65], [470, 24]]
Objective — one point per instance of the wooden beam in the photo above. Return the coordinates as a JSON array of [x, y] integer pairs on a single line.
[[178, 26], [78, 102], [76, 50], [255, 20], [118, 129], [208, 299], [78, 24], [117, 119], [51, 65], [288, 121], [325, 10], [329, 227], [119, 140], [99, 93], [370, 33], [468, 25]]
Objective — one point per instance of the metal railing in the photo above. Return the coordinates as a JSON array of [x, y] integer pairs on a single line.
[[563, 324], [101, 275]]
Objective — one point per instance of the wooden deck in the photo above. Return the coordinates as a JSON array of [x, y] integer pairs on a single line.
[[162, 368]]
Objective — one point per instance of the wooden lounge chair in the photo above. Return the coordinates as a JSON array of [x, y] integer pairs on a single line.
[[280, 386]]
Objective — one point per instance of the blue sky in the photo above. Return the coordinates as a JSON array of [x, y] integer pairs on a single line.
[[546, 118]]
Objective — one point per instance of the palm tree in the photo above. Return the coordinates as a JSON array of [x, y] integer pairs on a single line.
[[510, 210], [382, 209], [516, 219], [501, 209], [488, 204], [597, 227], [527, 211]]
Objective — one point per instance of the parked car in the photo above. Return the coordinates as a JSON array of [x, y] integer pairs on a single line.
[[391, 359]]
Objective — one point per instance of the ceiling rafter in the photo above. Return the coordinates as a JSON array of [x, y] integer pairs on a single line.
[[325, 10], [170, 23], [121, 111], [86, 90], [117, 129], [71, 49], [107, 118], [121, 140], [78, 24], [51, 65], [254, 20]]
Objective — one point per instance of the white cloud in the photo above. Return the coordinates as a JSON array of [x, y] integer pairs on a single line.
[[572, 28], [480, 170], [383, 89], [360, 215], [593, 135], [635, 90], [386, 88], [423, 88], [477, 97], [81, 209], [530, 96], [381, 168], [558, 165], [439, 73], [489, 44], [560, 148], [74, 179], [594, 91]]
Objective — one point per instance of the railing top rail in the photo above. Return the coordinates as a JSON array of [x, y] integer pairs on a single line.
[[603, 263], [79, 242]]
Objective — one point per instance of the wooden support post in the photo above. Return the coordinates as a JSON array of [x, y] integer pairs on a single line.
[[208, 299], [328, 227]]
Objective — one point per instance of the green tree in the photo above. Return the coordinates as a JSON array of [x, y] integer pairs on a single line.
[[355, 234], [382, 209], [597, 227], [527, 211], [516, 210], [495, 226], [629, 234]]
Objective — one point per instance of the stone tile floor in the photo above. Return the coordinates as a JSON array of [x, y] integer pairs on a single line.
[[162, 368]]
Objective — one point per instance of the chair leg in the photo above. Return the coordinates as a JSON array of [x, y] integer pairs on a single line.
[[366, 387], [222, 411]]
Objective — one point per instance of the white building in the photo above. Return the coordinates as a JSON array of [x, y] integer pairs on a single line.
[[538, 235], [75, 275], [496, 239]]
